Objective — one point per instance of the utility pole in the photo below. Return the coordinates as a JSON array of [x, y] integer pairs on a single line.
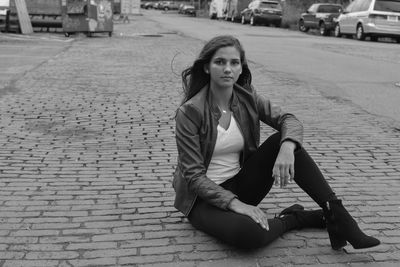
[[23, 17]]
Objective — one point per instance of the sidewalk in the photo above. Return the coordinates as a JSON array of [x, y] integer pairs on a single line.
[[87, 152]]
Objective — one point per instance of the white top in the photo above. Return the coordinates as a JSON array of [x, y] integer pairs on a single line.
[[225, 159]]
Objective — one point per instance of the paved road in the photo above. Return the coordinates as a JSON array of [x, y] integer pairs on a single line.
[[21, 53], [87, 150], [364, 73]]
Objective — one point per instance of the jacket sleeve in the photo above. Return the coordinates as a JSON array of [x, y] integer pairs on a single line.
[[286, 123], [190, 159]]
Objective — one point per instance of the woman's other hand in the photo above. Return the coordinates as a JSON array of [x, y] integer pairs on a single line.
[[283, 170], [252, 211]]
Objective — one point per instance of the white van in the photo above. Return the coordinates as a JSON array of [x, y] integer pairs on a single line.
[[370, 18], [216, 9]]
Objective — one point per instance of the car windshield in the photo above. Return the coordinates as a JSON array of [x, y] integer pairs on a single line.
[[387, 5], [329, 9], [269, 5]]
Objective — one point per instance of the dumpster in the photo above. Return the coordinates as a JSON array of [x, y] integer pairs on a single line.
[[87, 16], [4, 17], [42, 13]]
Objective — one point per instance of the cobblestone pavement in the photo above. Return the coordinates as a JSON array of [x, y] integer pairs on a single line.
[[87, 151]]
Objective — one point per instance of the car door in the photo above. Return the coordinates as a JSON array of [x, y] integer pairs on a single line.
[[357, 12], [309, 17], [319, 12], [345, 25]]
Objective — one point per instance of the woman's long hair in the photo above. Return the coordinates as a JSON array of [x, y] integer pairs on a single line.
[[194, 78]]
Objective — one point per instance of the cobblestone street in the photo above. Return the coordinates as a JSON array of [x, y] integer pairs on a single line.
[[87, 151]]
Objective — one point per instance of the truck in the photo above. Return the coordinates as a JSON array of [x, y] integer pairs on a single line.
[[233, 9]]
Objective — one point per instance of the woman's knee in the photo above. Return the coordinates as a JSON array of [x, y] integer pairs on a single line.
[[272, 143], [232, 228], [249, 235]]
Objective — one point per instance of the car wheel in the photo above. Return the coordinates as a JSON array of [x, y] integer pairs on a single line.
[[252, 21], [166, 9], [322, 29], [360, 35], [337, 30], [243, 21], [302, 27]]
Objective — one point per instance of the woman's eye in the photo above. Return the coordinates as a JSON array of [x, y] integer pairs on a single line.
[[235, 63], [218, 62]]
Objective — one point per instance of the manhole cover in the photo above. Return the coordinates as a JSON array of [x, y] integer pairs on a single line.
[[171, 32], [151, 35]]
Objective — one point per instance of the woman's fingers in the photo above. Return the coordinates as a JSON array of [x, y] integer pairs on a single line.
[[282, 174], [259, 217], [253, 212], [276, 175], [277, 180], [265, 224], [291, 179]]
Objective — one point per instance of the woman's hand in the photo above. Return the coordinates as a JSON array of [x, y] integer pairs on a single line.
[[252, 211], [283, 170]]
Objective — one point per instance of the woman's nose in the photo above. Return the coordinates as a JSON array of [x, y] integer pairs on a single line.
[[227, 68]]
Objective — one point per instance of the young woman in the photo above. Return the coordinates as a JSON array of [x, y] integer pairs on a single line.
[[222, 173]]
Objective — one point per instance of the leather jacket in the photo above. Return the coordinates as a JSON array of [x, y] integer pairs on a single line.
[[196, 135]]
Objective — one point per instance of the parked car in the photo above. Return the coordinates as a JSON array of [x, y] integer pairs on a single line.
[[149, 5], [262, 11], [233, 9], [370, 18], [169, 5], [181, 6], [180, 9], [189, 10], [320, 16], [157, 5]]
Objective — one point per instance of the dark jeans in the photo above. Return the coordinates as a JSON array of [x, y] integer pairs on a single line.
[[251, 185]]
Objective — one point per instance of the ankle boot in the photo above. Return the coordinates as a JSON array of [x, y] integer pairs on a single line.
[[342, 227], [299, 218]]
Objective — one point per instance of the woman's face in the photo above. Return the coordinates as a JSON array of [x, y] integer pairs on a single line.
[[225, 67]]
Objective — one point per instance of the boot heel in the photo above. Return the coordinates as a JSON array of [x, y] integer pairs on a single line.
[[337, 242], [342, 227]]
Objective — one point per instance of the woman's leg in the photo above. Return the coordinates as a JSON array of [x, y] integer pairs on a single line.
[[341, 226], [236, 229], [255, 180], [251, 185]]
